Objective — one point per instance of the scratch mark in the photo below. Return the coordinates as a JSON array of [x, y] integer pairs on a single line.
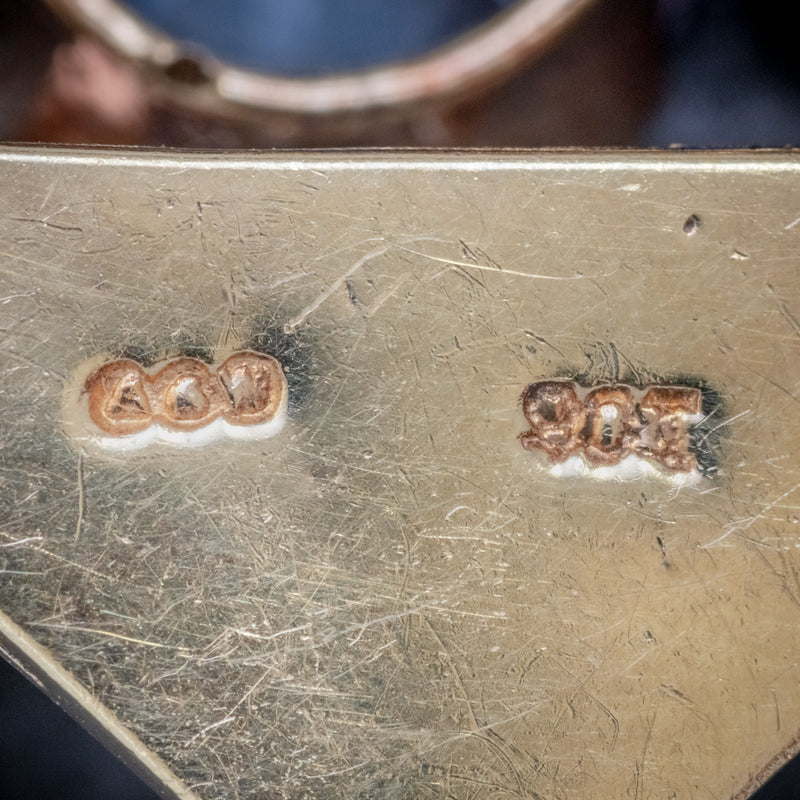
[[640, 766], [48, 194], [483, 732], [373, 309], [676, 694], [791, 225], [612, 717], [652, 517], [66, 228], [15, 257], [19, 572], [9, 298], [251, 635], [739, 526], [248, 693], [20, 541], [778, 386], [646, 653], [777, 710], [722, 424], [51, 268], [54, 555], [615, 359], [339, 771], [487, 268], [457, 508], [112, 635], [208, 729], [293, 324], [795, 325], [79, 522]]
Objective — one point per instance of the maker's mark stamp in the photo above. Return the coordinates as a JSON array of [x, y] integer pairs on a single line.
[[604, 425], [183, 401]]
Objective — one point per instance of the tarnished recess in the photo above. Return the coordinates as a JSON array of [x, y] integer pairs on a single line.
[[391, 597]]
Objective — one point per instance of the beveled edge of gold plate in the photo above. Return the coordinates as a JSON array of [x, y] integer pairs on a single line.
[[759, 778], [38, 665], [611, 159]]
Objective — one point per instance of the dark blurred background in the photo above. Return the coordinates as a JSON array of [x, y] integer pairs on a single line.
[[631, 73], [699, 73]]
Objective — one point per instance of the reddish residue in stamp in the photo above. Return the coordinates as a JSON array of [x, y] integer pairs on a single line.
[[185, 394], [611, 422]]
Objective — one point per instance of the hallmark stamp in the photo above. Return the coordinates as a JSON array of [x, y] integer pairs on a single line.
[[605, 425], [182, 401]]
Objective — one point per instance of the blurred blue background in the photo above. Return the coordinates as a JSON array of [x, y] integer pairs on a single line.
[[308, 37]]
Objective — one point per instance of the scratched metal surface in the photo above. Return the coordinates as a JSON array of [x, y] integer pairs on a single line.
[[388, 599]]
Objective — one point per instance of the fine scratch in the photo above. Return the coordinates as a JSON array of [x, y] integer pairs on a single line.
[[112, 635], [208, 728], [298, 320], [293, 324], [791, 225], [721, 425], [487, 268], [57, 557], [739, 526], [793, 323], [242, 699], [79, 522]]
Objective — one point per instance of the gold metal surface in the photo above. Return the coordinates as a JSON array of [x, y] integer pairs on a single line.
[[389, 598]]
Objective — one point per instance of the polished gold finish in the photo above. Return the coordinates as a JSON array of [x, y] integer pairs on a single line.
[[391, 598]]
